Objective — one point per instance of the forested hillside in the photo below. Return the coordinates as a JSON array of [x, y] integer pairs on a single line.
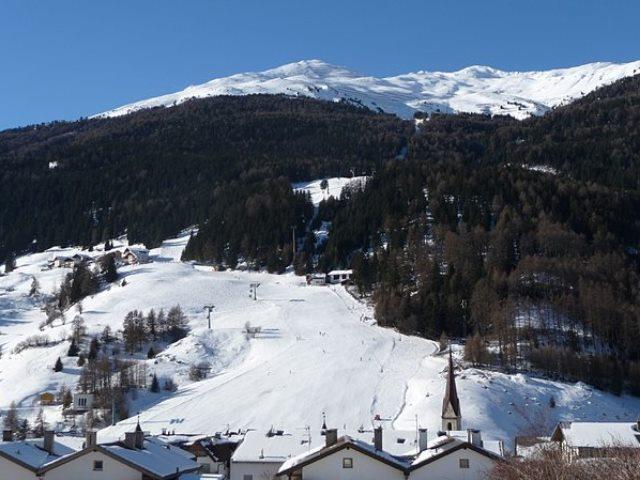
[[520, 237], [156, 171]]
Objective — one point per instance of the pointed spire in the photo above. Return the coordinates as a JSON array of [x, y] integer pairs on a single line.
[[451, 392], [138, 427], [324, 422]]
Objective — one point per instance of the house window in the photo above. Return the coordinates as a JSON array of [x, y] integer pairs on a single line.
[[82, 402], [347, 462], [464, 463], [247, 477], [97, 465]]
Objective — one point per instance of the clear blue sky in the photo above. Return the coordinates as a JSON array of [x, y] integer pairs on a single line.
[[61, 59]]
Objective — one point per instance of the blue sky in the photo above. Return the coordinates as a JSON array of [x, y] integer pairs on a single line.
[[64, 59]]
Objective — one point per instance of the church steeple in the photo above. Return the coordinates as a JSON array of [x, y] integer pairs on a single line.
[[451, 416]]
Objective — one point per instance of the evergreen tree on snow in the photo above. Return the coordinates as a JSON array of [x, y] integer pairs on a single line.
[[155, 386]]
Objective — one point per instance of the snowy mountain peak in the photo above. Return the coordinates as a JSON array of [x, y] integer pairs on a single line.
[[477, 88]]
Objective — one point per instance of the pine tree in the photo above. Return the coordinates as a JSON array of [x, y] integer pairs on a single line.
[[73, 349], [151, 353], [11, 420], [39, 426], [67, 399], [155, 385], [58, 366], [23, 429], [106, 336], [81, 360], [94, 349]]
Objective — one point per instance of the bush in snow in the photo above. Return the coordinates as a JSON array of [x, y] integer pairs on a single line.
[[32, 341]]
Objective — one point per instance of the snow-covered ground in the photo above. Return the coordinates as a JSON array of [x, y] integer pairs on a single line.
[[317, 352], [335, 185], [476, 89]]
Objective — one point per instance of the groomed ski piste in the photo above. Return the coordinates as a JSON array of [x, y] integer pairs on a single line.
[[319, 351]]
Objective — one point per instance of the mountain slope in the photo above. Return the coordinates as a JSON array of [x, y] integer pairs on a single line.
[[476, 89], [318, 351]]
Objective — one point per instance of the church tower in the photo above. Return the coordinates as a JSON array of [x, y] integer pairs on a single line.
[[451, 416]]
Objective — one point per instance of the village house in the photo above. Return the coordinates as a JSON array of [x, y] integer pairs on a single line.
[[136, 458], [595, 439], [316, 279], [82, 401], [212, 453], [340, 276], [20, 460], [47, 398], [135, 255], [70, 261]]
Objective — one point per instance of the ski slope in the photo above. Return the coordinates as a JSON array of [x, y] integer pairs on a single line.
[[318, 351], [477, 89]]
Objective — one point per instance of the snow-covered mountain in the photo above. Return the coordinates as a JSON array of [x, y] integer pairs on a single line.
[[476, 89]]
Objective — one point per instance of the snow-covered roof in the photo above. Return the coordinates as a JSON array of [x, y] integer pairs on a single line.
[[598, 434], [31, 453], [445, 443], [343, 442], [259, 447], [156, 457], [137, 250], [399, 443], [340, 272]]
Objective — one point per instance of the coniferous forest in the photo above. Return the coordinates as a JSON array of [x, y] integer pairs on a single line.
[[520, 238]]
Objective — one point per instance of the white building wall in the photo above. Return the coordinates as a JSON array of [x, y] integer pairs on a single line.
[[12, 471], [258, 470], [364, 468], [81, 468], [448, 467]]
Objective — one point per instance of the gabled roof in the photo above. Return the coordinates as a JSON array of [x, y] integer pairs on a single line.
[[597, 434], [31, 454], [157, 460], [445, 445], [345, 442], [451, 392]]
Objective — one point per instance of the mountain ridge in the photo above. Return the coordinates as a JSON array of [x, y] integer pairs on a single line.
[[473, 89]]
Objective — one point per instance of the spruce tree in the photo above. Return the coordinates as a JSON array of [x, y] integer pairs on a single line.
[[58, 366], [94, 348], [11, 420], [155, 385], [73, 349], [39, 426]]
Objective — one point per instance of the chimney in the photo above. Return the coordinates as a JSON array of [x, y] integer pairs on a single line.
[[7, 435], [91, 439], [130, 440], [474, 437], [330, 436], [377, 438], [422, 439], [48, 441]]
